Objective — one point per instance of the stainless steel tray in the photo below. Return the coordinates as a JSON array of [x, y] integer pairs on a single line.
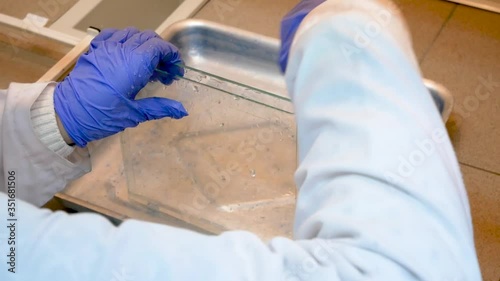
[[266, 208]]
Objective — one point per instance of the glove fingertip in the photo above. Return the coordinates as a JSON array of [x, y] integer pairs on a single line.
[[177, 109], [157, 108], [181, 111], [166, 80]]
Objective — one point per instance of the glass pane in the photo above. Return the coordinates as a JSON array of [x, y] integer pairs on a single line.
[[229, 165]]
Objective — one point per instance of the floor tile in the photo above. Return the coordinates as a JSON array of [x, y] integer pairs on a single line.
[[466, 59], [484, 196], [259, 16], [425, 20]]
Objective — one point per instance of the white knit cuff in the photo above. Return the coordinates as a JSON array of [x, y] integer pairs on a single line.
[[43, 119]]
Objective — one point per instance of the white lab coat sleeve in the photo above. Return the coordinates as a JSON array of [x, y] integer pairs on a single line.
[[39, 172], [380, 192]]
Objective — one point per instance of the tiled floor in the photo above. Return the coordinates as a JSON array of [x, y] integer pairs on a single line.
[[457, 45], [464, 58], [484, 194]]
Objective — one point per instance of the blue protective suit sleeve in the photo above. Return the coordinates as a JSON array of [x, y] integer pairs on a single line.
[[380, 191]]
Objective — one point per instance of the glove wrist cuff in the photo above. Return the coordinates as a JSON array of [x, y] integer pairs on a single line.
[[43, 119]]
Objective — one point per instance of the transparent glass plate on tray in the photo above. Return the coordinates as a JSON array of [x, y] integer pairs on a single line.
[[229, 165]]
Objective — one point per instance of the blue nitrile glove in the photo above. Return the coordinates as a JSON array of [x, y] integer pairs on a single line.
[[97, 99], [290, 24]]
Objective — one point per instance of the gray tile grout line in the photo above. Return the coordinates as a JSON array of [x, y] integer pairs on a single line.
[[480, 169], [424, 56], [445, 23]]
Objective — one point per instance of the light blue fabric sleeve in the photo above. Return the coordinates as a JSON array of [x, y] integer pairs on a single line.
[[380, 191]]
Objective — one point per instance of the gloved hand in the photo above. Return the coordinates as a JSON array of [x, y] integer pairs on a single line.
[[97, 99], [290, 24]]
